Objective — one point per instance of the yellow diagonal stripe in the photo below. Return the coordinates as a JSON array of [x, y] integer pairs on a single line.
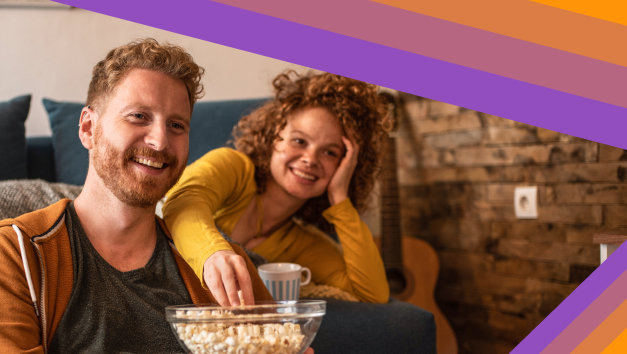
[[618, 346], [609, 10]]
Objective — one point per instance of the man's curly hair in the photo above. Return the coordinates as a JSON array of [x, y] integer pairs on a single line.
[[167, 59], [362, 113]]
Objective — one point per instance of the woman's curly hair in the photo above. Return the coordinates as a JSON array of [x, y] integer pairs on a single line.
[[362, 113]]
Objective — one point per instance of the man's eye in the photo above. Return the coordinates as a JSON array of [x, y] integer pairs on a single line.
[[177, 126], [138, 115]]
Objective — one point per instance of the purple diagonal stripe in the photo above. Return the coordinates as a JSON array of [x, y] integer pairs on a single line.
[[590, 318], [378, 64], [455, 43]]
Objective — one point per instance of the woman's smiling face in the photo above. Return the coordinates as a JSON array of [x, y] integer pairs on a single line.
[[307, 154]]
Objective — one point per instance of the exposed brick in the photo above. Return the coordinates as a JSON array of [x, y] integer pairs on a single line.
[[611, 153], [535, 154], [547, 136], [501, 276], [511, 135], [529, 230], [489, 120], [463, 121], [615, 215], [567, 173], [579, 272], [535, 269], [437, 108], [584, 233], [601, 193], [453, 139], [417, 108], [574, 214], [548, 288], [549, 251], [504, 192]]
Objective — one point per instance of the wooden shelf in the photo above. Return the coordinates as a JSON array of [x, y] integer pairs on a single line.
[[609, 238]]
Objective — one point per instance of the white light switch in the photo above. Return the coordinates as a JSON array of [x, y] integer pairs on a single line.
[[526, 202]]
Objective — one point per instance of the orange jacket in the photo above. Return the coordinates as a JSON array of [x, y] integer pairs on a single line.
[[50, 261]]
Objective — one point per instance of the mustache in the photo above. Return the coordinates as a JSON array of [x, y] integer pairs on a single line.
[[146, 152]]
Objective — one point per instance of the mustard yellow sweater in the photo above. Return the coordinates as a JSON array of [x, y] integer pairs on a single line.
[[217, 188]]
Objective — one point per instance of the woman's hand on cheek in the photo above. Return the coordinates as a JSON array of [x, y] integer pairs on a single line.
[[338, 187]]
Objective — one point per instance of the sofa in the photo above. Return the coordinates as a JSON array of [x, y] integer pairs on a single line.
[[57, 166]]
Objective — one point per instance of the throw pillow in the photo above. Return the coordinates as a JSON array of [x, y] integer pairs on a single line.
[[13, 114], [71, 159]]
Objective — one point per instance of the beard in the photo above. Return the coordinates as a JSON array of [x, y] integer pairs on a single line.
[[131, 187]]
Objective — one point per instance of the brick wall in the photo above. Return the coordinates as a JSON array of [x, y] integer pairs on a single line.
[[501, 276]]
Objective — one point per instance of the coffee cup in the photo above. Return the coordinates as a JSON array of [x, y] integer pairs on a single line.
[[283, 279]]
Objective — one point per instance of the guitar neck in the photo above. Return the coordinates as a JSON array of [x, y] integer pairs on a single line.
[[391, 240]]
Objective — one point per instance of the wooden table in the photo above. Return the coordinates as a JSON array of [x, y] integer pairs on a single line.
[[609, 241]]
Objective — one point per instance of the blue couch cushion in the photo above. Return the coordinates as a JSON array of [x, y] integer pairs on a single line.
[[211, 127], [212, 123], [71, 159], [13, 114]]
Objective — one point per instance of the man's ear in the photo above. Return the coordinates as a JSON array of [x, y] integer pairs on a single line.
[[86, 127]]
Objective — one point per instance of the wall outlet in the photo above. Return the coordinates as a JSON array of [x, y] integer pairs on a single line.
[[526, 202]]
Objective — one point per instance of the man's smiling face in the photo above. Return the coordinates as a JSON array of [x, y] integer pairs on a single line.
[[141, 140]]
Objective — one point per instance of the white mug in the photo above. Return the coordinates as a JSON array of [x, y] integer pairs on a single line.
[[283, 279]]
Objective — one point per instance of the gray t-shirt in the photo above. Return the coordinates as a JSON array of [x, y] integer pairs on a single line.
[[118, 312]]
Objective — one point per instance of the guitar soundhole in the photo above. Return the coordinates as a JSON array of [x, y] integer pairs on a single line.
[[397, 281]]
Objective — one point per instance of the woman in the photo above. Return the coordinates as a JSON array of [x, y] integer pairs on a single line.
[[307, 158]]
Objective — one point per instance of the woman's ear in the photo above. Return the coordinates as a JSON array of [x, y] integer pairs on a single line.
[[86, 126]]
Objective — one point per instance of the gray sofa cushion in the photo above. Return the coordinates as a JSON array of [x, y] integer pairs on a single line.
[[19, 197], [13, 114]]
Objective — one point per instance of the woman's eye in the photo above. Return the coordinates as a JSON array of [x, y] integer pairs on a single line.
[[299, 141], [332, 153]]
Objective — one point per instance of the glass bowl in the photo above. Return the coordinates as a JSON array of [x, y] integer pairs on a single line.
[[278, 327]]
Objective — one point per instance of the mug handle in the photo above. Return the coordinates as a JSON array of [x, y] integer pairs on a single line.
[[307, 277]]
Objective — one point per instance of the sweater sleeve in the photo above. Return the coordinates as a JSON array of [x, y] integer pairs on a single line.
[[217, 179], [364, 273]]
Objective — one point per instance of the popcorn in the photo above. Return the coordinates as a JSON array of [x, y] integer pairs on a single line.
[[222, 338]]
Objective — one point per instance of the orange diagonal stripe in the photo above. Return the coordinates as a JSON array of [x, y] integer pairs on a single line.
[[605, 333], [609, 10], [618, 346], [532, 22]]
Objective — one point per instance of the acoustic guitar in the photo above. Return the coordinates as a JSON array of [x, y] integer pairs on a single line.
[[411, 264]]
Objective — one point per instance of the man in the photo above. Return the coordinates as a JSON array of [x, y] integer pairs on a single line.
[[95, 274]]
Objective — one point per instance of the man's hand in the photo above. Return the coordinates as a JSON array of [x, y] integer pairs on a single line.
[[309, 351], [225, 273], [337, 190]]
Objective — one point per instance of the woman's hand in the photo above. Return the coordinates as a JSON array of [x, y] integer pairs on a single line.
[[225, 273], [337, 190]]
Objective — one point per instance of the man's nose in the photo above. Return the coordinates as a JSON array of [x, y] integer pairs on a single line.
[[157, 137]]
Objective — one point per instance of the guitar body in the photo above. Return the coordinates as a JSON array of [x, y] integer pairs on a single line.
[[416, 285]]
